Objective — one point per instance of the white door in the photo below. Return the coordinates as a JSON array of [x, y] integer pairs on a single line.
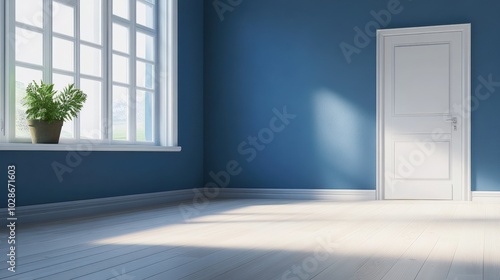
[[423, 113]]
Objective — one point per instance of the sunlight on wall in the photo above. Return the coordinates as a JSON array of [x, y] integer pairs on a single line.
[[339, 137]]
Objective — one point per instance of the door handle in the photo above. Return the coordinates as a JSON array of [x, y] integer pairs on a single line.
[[453, 120]]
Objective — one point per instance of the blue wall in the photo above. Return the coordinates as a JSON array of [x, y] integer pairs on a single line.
[[106, 174], [267, 54]]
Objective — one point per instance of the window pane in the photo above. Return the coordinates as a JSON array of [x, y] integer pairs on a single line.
[[145, 75], [132, 62], [90, 21], [90, 116], [121, 8], [145, 46], [63, 19], [29, 46], [144, 116], [68, 130], [24, 76], [60, 82], [120, 38], [90, 63], [145, 15], [63, 54], [120, 113], [120, 69], [30, 12]]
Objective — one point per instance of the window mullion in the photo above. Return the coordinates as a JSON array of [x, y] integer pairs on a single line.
[[77, 131], [47, 40], [145, 29], [158, 77], [133, 73], [107, 96], [29, 27]]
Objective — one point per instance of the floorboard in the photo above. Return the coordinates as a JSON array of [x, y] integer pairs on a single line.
[[268, 240]]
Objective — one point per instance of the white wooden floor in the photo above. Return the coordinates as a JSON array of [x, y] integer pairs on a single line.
[[269, 239]]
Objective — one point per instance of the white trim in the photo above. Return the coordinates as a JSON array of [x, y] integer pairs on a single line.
[[317, 194], [465, 29], [9, 69], [173, 73], [85, 146], [85, 208], [467, 132], [168, 73], [165, 109], [379, 122], [2, 71], [493, 197]]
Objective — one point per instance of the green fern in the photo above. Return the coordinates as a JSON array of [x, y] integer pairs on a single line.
[[46, 104]]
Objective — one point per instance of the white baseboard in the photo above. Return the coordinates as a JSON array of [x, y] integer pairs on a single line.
[[44, 213], [82, 208], [333, 195], [486, 197]]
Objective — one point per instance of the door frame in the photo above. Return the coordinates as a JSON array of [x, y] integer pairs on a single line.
[[465, 30]]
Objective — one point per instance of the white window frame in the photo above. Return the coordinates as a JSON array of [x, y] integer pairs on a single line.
[[166, 113], [2, 71]]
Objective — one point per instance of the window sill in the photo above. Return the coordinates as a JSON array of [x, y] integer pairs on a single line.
[[85, 147]]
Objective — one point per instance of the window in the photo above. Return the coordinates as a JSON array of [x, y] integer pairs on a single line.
[[121, 53]]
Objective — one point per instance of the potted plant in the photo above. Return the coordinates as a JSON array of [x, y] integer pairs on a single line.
[[47, 110]]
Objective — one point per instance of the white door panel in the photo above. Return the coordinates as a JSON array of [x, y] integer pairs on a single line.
[[422, 91], [422, 79], [420, 190], [422, 160]]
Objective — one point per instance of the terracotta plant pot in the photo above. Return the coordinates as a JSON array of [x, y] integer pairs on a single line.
[[43, 132]]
